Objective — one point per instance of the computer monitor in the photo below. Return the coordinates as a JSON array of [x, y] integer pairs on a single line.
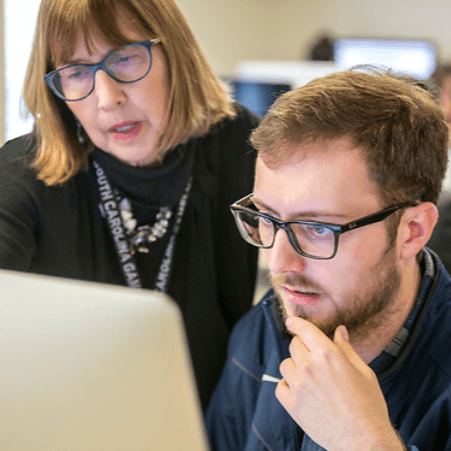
[[293, 73], [257, 96], [93, 367], [408, 56]]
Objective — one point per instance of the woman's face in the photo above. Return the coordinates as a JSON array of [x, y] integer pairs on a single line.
[[125, 120]]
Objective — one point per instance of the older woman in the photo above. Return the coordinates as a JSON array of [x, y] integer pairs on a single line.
[[136, 154]]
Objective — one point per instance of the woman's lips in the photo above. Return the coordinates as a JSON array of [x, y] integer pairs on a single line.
[[301, 297], [126, 130]]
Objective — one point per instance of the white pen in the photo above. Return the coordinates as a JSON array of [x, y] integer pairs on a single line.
[[268, 378]]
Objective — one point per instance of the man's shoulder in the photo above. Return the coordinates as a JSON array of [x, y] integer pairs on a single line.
[[256, 318], [435, 333], [256, 336], [441, 295]]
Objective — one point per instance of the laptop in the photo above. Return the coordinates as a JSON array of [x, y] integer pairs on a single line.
[[93, 367]]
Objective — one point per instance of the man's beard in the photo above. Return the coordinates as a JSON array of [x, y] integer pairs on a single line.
[[370, 305]]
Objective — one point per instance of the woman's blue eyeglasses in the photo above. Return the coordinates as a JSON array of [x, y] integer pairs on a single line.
[[125, 65]]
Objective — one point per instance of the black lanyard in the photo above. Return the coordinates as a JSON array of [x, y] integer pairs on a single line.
[[110, 211]]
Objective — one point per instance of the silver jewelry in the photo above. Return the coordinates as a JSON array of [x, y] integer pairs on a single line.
[[143, 236]]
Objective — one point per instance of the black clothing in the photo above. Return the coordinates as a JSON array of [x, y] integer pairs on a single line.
[[440, 240], [58, 230]]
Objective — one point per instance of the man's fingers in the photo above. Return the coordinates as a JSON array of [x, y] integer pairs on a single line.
[[341, 339], [308, 333]]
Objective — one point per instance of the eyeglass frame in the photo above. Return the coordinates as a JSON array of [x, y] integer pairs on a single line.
[[338, 230], [48, 78]]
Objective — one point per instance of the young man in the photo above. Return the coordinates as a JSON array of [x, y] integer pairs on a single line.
[[350, 351]]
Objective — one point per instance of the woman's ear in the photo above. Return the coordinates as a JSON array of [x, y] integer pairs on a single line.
[[417, 224]]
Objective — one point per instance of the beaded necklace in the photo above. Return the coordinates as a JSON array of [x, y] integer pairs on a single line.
[[127, 237]]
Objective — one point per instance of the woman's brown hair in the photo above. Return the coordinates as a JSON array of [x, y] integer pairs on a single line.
[[197, 101]]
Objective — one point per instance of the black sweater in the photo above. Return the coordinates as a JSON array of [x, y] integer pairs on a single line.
[[59, 230]]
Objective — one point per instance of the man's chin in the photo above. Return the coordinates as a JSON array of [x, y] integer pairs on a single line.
[[311, 313]]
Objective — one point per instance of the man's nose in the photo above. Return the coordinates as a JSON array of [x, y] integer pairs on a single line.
[[282, 257]]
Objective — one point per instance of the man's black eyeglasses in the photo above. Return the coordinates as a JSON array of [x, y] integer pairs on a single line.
[[311, 239]]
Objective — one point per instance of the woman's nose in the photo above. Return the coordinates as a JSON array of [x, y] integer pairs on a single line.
[[109, 92], [282, 257]]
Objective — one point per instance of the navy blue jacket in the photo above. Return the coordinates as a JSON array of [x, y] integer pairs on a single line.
[[245, 415]]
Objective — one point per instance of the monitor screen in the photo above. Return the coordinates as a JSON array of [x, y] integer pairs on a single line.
[[280, 72], [257, 96], [413, 57], [88, 366]]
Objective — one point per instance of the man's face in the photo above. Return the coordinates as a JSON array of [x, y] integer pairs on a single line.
[[359, 285]]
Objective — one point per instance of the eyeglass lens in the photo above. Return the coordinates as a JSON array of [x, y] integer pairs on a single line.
[[314, 240], [127, 64]]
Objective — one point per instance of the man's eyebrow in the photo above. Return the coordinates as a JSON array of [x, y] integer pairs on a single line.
[[304, 214], [261, 205]]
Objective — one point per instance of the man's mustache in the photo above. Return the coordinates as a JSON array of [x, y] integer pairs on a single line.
[[297, 281]]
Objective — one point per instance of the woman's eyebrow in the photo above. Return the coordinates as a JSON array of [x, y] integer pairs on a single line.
[[83, 60], [79, 61]]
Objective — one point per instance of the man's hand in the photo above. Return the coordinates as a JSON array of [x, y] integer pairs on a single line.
[[332, 394]]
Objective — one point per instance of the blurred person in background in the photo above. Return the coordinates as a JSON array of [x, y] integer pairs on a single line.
[[440, 240]]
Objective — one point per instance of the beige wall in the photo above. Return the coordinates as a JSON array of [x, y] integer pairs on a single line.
[[232, 30]]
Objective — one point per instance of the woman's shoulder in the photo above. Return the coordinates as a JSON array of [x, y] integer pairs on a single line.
[[230, 137], [19, 148], [16, 167], [16, 156], [242, 123], [244, 114]]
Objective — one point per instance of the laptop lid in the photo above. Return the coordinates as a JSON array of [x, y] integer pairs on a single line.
[[87, 366]]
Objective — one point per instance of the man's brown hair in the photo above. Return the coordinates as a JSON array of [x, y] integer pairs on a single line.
[[394, 120]]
